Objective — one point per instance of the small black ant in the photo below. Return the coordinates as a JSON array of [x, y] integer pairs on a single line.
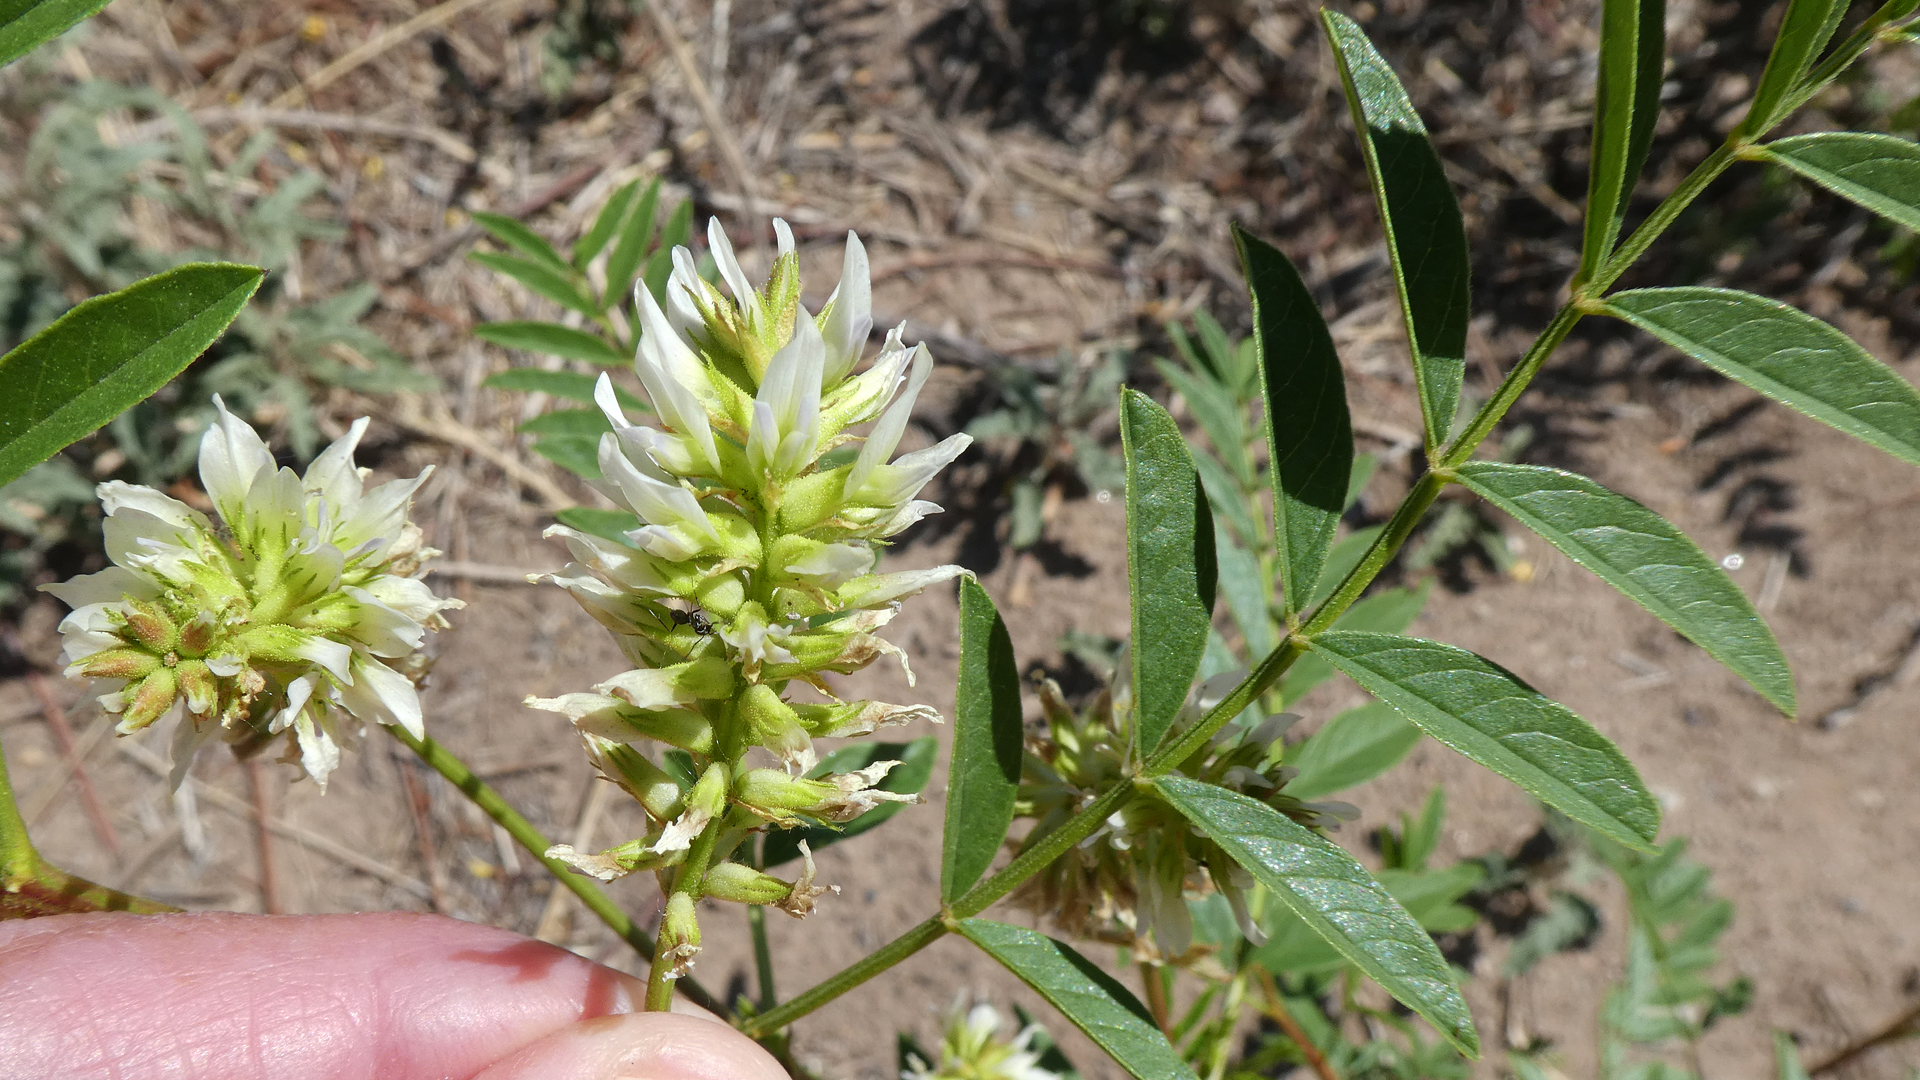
[[696, 620]]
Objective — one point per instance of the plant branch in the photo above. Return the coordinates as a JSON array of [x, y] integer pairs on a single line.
[[446, 764], [1156, 991], [978, 899], [1277, 1009], [762, 955]]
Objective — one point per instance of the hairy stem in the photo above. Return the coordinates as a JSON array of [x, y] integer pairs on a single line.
[[1156, 991], [446, 764], [693, 875]]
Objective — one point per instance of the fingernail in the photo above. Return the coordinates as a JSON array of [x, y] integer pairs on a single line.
[[640, 1046]]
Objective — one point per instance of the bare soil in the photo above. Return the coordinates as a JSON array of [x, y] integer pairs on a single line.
[[1040, 183]]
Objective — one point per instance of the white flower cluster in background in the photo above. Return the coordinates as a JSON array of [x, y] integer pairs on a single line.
[[295, 607], [971, 1049]]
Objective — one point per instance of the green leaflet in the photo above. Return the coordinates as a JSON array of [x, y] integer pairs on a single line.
[[1218, 414], [628, 251], [1646, 557], [1309, 435], [673, 234], [570, 438], [1787, 355], [1170, 565], [594, 240], [986, 745], [1353, 747], [1632, 64], [1786, 1058], [1879, 172], [1245, 590], [524, 240], [25, 24], [907, 778], [569, 385], [1486, 713], [539, 279], [554, 340], [1097, 1004], [1426, 240], [109, 353], [1335, 895], [1804, 31]]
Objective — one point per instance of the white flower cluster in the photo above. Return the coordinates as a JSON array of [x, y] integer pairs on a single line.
[[754, 561], [300, 606], [971, 1049]]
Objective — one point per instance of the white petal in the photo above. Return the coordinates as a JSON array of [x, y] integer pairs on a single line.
[[850, 319], [898, 482], [683, 315], [744, 295], [112, 584], [655, 501], [332, 475], [116, 495], [383, 630], [782, 237], [380, 515], [408, 596], [319, 753], [888, 587], [885, 436], [336, 658], [646, 688], [382, 695], [674, 378], [275, 511], [833, 565], [231, 455], [788, 402], [187, 737]]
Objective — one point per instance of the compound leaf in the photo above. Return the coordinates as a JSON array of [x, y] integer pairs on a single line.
[[1330, 891], [1170, 564], [1879, 172], [1787, 355], [1486, 713], [987, 739], [1309, 435], [1646, 557], [624, 262], [1426, 239], [1096, 1003], [108, 354]]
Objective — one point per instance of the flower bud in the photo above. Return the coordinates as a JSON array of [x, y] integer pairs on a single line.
[[148, 700], [742, 884], [679, 935], [116, 664], [198, 684], [658, 793], [776, 726], [149, 626]]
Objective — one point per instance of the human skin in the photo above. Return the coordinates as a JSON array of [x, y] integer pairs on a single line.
[[358, 997]]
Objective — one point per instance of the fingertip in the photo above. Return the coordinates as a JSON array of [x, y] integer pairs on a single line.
[[640, 1046]]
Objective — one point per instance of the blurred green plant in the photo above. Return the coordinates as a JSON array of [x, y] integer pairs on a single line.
[[1045, 433]]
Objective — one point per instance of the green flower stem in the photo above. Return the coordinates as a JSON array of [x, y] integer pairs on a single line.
[[30, 887], [528, 837], [762, 955], [977, 899], [693, 875]]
